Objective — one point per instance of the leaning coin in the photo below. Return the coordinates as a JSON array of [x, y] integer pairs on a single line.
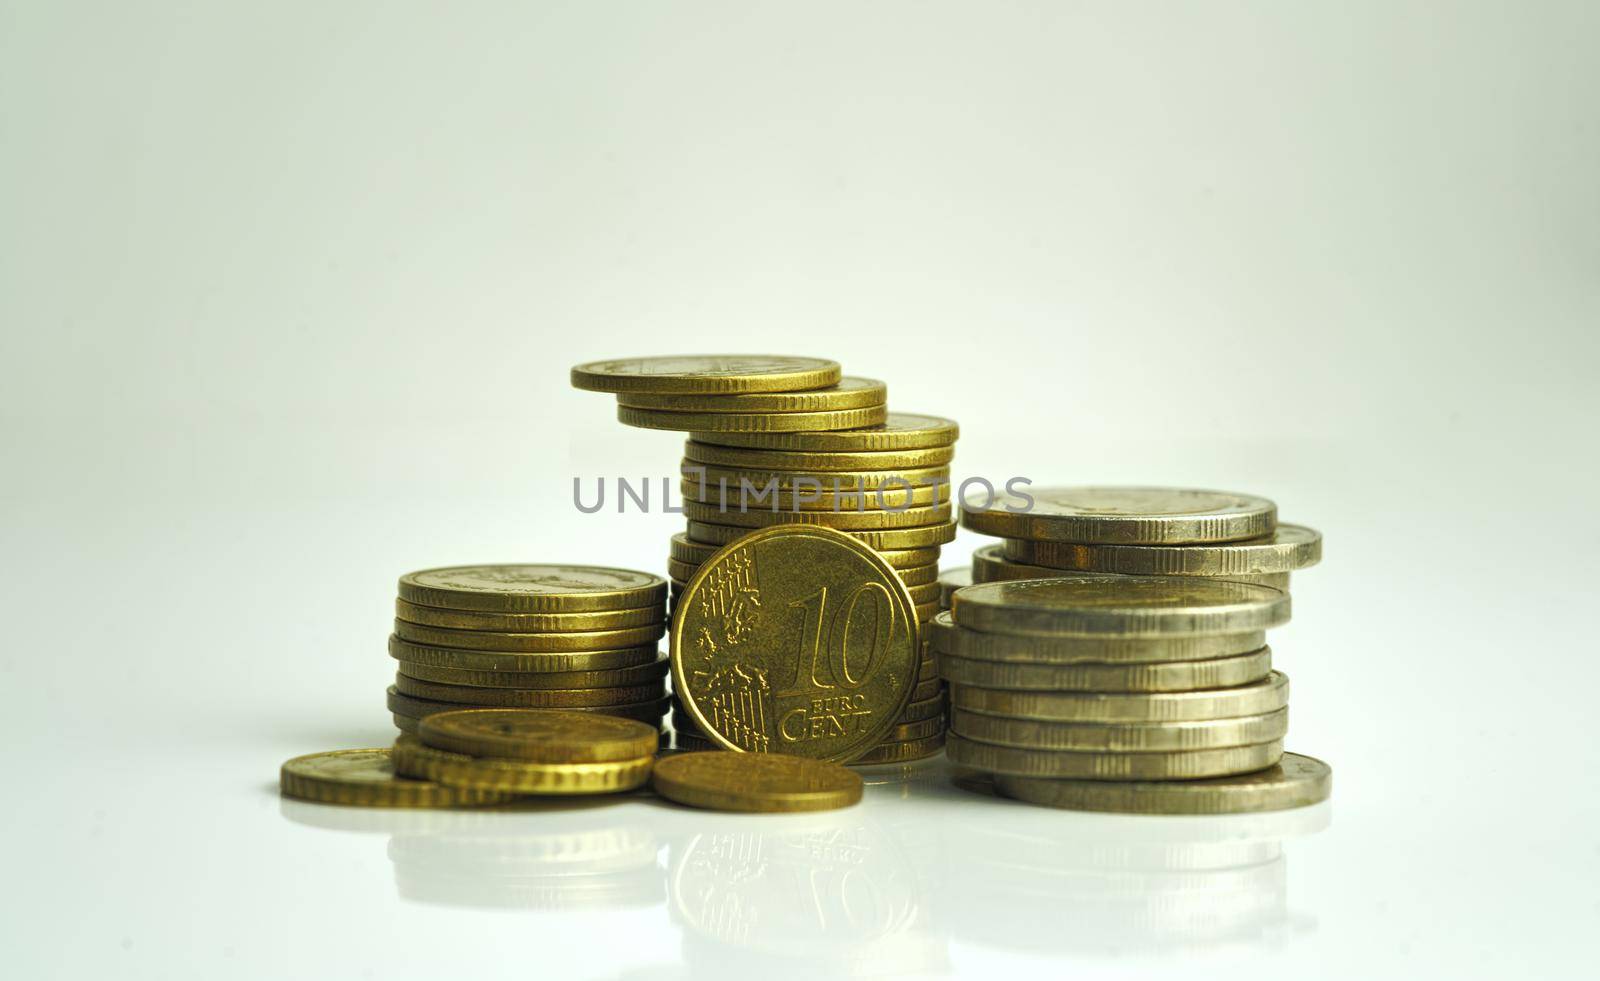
[[1226, 672], [742, 458], [1123, 606], [539, 735], [1295, 781], [901, 431], [529, 643], [1121, 515], [750, 422], [849, 393], [468, 660], [1127, 737], [1258, 698], [412, 758], [366, 778], [947, 638], [755, 782], [532, 588], [527, 698], [1061, 764], [529, 622], [636, 675], [707, 374]]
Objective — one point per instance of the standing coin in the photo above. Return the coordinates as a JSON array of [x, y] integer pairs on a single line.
[[1295, 782], [539, 736], [532, 588], [1121, 515], [1123, 606], [901, 431], [707, 374], [755, 782], [366, 778]]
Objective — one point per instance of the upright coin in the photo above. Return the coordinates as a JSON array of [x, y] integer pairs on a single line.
[[795, 640], [850, 393], [707, 374], [1124, 606], [1121, 515], [539, 736], [1295, 781], [755, 782], [532, 588], [900, 431], [1289, 548], [366, 778]]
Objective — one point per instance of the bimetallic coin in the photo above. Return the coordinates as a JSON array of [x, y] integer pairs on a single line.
[[1121, 515], [1258, 698], [951, 580], [530, 643], [648, 711], [1295, 781], [539, 736], [755, 782], [465, 660], [759, 517], [431, 616], [707, 374], [527, 697], [849, 393], [1127, 737], [925, 536], [532, 588], [741, 458], [902, 752], [945, 637], [637, 675], [1124, 606], [753, 484], [806, 497], [1289, 548], [750, 422], [1059, 764], [901, 431], [414, 759], [1225, 672], [366, 778], [795, 640]]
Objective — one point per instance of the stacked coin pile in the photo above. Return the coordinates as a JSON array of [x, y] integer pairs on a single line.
[[1153, 531], [582, 638]]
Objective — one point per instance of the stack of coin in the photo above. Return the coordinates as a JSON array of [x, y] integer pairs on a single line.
[[526, 751], [582, 638], [1152, 531], [1058, 686]]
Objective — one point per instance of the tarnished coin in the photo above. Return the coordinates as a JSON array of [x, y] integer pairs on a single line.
[[902, 752], [743, 458], [1295, 781], [1120, 515], [1226, 672], [468, 660], [925, 709], [649, 710], [532, 588], [901, 431], [366, 778], [1289, 548], [824, 496], [755, 782], [951, 580], [414, 759], [752, 483], [707, 374], [1258, 698], [930, 687], [620, 677], [529, 643], [1059, 764], [1124, 606], [750, 422], [944, 636], [527, 697], [795, 640], [1126, 737], [761, 517], [539, 735], [433, 616], [925, 536], [849, 393]]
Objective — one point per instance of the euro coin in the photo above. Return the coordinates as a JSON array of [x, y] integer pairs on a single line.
[[529, 643], [539, 736], [849, 393], [919, 575], [926, 709], [684, 550], [900, 431], [366, 778], [532, 588], [754, 485], [412, 758], [1227, 672], [947, 638], [821, 495], [1296, 781], [639, 616], [924, 594], [741, 458], [795, 640], [462, 659], [1257, 698], [746, 517], [1287, 549], [1121, 515], [1126, 737], [747, 422], [925, 536], [1123, 606], [755, 782], [1189, 765], [951, 580], [620, 677], [921, 729], [648, 710], [527, 697], [902, 752], [707, 374]]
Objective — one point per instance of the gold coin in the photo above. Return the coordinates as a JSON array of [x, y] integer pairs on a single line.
[[924, 594], [927, 611], [758, 517], [535, 643], [1289, 548], [1295, 781], [689, 742], [951, 580], [795, 640], [902, 752], [930, 687], [1127, 737], [742, 458], [414, 759], [849, 393], [469, 660], [1121, 515], [823, 497], [990, 564], [366, 778], [753, 485], [1225, 672], [1124, 606], [532, 588], [707, 374], [529, 622], [921, 729], [1258, 698], [945, 637], [539, 736], [649, 710], [1061, 764], [693, 553], [637, 675], [925, 536], [901, 431], [755, 782], [750, 422], [917, 575], [526, 697], [925, 709]]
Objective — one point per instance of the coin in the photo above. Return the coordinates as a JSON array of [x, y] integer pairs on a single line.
[[1258, 698], [750, 422], [753, 483], [539, 735], [824, 496], [944, 636], [647, 710], [1295, 781], [1289, 548], [366, 778], [532, 588], [924, 536], [918, 575], [901, 431], [1226, 672], [529, 622], [527, 697], [529, 643], [756, 517], [930, 687], [470, 660], [1124, 606], [849, 393], [755, 782], [684, 550], [707, 374], [1121, 515], [1188, 765], [636, 675], [901, 752], [795, 640], [412, 758], [1126, 737], [689, 742], [925, 709], [741, 458], [920, 729], [951, 580]]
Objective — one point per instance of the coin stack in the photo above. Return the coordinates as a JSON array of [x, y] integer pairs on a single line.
[[787, 440], [581, 638]]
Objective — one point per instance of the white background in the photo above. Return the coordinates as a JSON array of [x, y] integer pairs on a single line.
[[289, 292]]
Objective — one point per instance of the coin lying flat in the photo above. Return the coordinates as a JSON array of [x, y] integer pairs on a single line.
[[951, 580], [1295, 781], [433, 616], [900, 431], [1287, 549], [707, 374], [795, 640], [1258, 698], [529, 643], [648, 710], [1121, 515], [366, 778], [619, 677], [755, 782], [527, 697], [742, 458], [849, 393], [538, 736], [1124, 606], [532, 588], [924, 536], [823, 497], [750, 422], [917, 575], [1187, 765], [944, 636], [901, 752], [990, 564], [512, 661], [925, 709], [1126, 737], [760, 481], [1225, 672], [761, 517], [412, 758]]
